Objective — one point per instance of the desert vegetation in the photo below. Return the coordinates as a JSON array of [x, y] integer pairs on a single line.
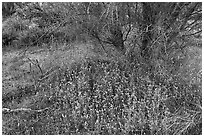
[[101, 68]]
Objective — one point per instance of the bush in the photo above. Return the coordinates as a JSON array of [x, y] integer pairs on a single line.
[[11, 28], [19, 31], [23, 32]]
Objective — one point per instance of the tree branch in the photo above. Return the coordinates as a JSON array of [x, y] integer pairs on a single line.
[[191, 24], [127, 32], [192, 33], [128, 23]]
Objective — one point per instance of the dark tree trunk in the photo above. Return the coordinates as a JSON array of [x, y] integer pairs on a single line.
[[117, 38]]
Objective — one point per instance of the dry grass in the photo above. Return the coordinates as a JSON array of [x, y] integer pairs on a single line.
[[85, 94]]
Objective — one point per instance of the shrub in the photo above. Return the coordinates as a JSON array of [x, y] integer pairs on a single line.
[[11, 28]]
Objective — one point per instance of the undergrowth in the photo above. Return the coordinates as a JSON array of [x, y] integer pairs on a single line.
[[105, 97]]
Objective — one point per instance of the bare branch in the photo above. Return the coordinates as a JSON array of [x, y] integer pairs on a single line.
[[191, 24], [195, 26], [128, 23], [197, 12], [192, 33], [38, 65], [7, 110], [127, 32]]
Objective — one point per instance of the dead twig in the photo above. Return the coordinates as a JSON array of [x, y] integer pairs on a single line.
[[36, 64], [46, 76], [187, 35], [7, 110]]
